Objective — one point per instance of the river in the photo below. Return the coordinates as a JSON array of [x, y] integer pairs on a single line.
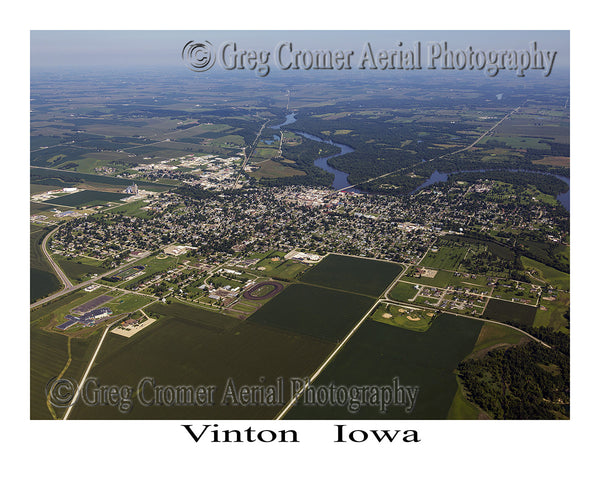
[[340, 179]]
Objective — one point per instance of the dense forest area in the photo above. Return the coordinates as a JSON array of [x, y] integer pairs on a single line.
[[528, 381]]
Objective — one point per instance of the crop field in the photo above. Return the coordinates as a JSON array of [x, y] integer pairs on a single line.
[[43, 281], [494, 335], [49, 353], [181, 350], [37, 208], [503, 311], [416, 319], [378, 352], [359, 275], [67, 178], [87, 197], [309, 310]]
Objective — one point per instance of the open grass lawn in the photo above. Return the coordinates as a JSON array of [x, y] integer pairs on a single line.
[[402, 291], [378, 352], [446, 257], [272, 169], [129, 302], [442, 279], [553, 311], [359, 275], [132, 209], [152, 265], [76, 271], [550, 275]]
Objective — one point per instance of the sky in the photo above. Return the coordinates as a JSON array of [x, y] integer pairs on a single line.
[[162, 48]]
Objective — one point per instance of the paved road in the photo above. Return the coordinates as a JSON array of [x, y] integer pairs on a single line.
[[63, 278], [247, 157], [72, 287]]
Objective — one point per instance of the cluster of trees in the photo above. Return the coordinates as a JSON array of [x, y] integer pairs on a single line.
[[544, 183], [527, 381]]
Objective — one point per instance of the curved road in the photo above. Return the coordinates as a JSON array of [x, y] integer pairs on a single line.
[[63, 278], [68, 286]]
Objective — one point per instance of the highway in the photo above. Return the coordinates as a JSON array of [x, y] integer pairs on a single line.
[[68, 286], [247, 157], [63, 278]]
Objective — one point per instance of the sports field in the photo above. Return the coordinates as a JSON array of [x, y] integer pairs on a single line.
[[359, 275], [413, 319], [378, 352]]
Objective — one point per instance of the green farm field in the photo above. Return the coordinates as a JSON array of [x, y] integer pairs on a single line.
[[378, 352], [359, 275], [504, 311], [179, 350], [87, 197], [49, 354], [305, 309], [43, 281]]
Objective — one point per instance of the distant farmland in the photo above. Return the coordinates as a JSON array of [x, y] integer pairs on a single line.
[[52, 176], [360, 275], [87, 197]]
